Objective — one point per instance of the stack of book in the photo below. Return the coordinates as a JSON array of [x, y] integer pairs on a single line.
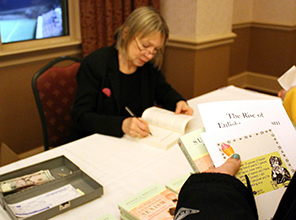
[[153, 203]]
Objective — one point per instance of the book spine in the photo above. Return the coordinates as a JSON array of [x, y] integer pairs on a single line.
[[127, 215], [124, 216], [187, 155], [172, 189], [176, 185]]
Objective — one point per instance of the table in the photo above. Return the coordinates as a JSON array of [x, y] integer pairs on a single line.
[[125, 167]]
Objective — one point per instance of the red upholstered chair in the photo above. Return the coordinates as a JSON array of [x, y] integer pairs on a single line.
[[54, 87]]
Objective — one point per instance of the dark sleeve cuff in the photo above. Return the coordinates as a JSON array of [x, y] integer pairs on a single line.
[[216, 196]]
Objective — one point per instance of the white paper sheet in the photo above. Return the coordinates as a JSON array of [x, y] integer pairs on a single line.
[[234, 122], [288, 79], [250, 114], [256, 150], [35, 205]]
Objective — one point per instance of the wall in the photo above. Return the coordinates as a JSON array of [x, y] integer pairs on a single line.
[[196, 59], [212, 43], [257, 37], [20, 126], [265, 46], [19, 120]]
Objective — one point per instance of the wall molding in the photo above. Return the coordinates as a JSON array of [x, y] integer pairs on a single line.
[[14, 59], [280, 27], [256, 81], [200, 43], [242, 25]]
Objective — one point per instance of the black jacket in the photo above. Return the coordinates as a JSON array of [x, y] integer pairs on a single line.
[[215, 196], [96, 112], [220, 196]]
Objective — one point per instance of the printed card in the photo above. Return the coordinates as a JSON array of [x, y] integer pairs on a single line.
[[264, 160]]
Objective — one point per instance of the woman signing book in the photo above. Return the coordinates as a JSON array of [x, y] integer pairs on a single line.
[[126, 74]]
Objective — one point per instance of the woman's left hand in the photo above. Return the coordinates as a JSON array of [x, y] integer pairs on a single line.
[[183, 108], [230, 166]]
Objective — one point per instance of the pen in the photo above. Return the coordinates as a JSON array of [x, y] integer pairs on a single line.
[[132, 114]]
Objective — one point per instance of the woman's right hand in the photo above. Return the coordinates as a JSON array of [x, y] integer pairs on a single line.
[[135, 127]]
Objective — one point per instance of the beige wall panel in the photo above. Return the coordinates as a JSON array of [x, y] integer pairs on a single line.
[[198, 18], [180, 16], [213, 17], [242, 11], [280, 12]]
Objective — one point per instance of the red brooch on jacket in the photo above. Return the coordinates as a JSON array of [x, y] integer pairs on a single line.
[[107, 92]]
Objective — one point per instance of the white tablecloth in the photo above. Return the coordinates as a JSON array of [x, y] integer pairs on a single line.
[[124, 167]]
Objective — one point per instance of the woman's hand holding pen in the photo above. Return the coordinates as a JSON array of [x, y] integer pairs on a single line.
[[135, 127]]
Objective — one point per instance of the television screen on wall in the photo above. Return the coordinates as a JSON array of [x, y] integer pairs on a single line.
[[22, 20]]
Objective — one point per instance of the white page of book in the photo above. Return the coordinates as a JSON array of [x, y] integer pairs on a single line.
[[161, 138], [220, 116], [166, 119], [165, 126]]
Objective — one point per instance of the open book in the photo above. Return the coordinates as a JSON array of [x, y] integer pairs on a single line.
[[165, 126]]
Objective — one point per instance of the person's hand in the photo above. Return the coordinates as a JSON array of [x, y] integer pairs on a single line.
[[282, 93], [135, 127], [230, 167], [183, 108]]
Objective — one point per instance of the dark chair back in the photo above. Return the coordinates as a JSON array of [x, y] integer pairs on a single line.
[[54, 87]]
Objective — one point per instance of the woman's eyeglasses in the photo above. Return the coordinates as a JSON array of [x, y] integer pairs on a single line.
[[144, 51]]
